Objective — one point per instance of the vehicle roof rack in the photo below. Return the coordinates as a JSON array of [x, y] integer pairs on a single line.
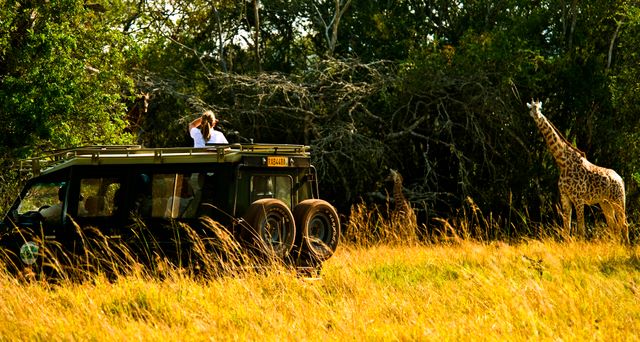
[[36, 165]]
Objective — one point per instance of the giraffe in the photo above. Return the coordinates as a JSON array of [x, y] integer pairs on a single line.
[[581, 182], [402, 212]]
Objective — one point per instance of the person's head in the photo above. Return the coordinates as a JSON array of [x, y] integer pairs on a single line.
[[208, 122], [62, 192]]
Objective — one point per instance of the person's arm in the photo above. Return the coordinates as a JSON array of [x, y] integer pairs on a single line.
[[195, 123]]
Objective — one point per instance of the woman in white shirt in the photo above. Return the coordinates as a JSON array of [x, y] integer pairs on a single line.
[[202, 132]]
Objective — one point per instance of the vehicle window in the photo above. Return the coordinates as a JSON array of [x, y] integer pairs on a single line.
[[161, 191], [139, 196], [271, 187], [158, 195], [98, 197], [175, 195], [40, 196]]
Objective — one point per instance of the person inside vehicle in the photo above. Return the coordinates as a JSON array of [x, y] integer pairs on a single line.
[[202, 132], [178, 203], [93, 206], [53, 213]]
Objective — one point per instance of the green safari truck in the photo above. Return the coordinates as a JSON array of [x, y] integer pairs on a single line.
[[264, 195]]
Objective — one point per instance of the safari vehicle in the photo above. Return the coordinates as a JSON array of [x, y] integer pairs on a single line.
[[266, 197]]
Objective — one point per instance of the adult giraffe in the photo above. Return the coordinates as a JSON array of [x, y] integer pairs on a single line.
[[581, 182]]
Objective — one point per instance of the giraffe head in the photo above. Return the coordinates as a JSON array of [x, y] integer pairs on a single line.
[[535, 108], [394, 176]]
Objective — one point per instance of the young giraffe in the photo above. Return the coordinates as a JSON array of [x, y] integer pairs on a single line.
[[581, 182], [402, 211]]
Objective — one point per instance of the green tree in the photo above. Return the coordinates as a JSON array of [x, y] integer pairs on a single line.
[[62, 76], [624, 129], [436, 89]]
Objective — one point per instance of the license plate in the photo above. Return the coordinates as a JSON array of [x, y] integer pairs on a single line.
[[277, 161]]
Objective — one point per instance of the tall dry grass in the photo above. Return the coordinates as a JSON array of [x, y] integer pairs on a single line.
[[209, 250], [369, 226], [373, 225], [473, 289], [469, 291]]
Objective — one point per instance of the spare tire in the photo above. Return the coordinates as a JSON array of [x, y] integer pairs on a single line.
[[318, 229], [272, 228]]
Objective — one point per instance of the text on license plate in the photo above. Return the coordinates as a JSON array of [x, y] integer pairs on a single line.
[[277, 161]]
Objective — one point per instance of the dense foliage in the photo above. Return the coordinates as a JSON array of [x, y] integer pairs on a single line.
[[434, 89], [62, 75]]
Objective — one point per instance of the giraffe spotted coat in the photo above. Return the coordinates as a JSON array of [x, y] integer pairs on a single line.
[[581, 182], [403, 214]]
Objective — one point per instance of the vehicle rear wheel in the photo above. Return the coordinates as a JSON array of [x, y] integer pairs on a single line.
[[318, 229], [272, 227]]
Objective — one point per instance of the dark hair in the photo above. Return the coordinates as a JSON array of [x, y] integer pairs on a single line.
[[62, 191], [208, 122]]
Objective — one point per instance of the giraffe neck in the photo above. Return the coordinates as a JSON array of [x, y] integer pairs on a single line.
[[558, 146]]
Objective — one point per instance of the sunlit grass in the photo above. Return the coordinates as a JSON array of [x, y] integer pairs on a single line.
[[485, 291], [383, 283]]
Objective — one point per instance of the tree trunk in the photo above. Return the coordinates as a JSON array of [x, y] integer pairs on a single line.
[[256, 14]]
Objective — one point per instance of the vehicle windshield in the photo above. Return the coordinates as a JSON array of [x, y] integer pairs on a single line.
[[40, 196]]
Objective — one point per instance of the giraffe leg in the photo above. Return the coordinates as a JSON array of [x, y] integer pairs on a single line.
[[621, 220], [610, 216], [566, 213], [581, 232], [625, 230]]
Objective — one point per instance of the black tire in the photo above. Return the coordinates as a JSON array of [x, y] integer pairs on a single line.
[[318, 230], [272, 227]]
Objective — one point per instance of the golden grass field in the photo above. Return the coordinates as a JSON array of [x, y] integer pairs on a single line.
[[535, 290]]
